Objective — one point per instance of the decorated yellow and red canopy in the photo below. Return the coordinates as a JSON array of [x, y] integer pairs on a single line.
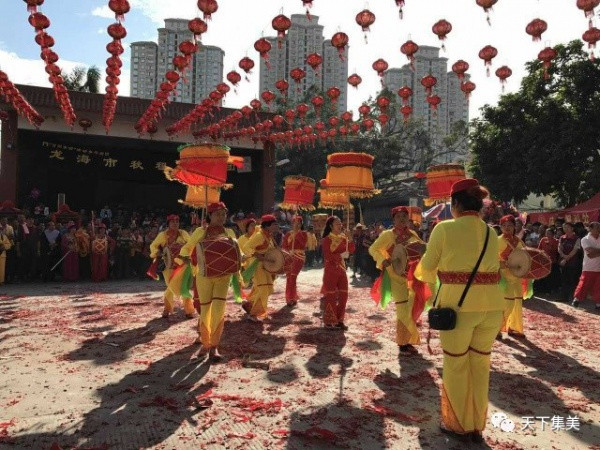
[[351, 173], [299, 192], [201, 196], [440, 179], [332, 200]]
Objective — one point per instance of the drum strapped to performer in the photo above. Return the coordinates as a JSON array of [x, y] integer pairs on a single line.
[[415, 250], [169, 254], [529, 263], [218, 256], [399, 259], [276, 261]]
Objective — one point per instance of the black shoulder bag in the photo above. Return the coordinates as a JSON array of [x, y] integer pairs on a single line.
[[445, 318]]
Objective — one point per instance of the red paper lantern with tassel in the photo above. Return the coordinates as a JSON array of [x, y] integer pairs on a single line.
[[409, 48], [234, 78], [488, 53], [120, 8], [546, 56], [281, 24], [263, 46], [503, 73], [460, 67], [32, 5], [354, 80], [282, 86], [467, 87], [536, 28], [208, 7], [314, 60], [428, 82], [339, 40], [441, 28]]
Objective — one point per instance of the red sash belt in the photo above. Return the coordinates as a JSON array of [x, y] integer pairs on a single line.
[[463, 277]]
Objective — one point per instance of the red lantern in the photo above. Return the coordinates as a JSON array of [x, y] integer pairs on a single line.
[[332, 133], [120, 8], [323, 136], [354, 80], [117, 31], [268, 97], [302, 109], [459, 68], [44, 40], [347, 117], [314, 60], [188, 48], [503, 73], [278, 120], [49, 56], [536, 28], [197, 26], [256, 105], [216, 97], [334, 121], [591, 36], [308, 4], [406, 112], [39, 21], [487, 6], [281, 24], [383, 103], [172, 77], [319, 126], [587, 6], [400, 5], [383, 119], [339, 41], [115, 48], [546, 56], [365, 19], [32, 5], [488, 53], [428, 82], [441, 28], [380, 66], [434, 101], [317, 102], [114, 62], [333, 93], [467, 87], [234, 78], [297, 74], [246, 111], [180, 62], [223, 88], [409, 48], [368, 124], [290, 115], [246, 64], [208, 7], [282, 86], [355, 128], [262, 46], [364, 110]]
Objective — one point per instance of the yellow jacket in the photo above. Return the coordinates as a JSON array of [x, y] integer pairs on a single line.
[[311, 243], [198, 236], [242, 241], [379, 249], [4, 242], [161, 242], [258, 243], [455, 246], [503, 252]]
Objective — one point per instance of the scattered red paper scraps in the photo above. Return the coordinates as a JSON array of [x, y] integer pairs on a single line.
[[12, 402], [4, 436], [142, 361], [282, 433], [248, 435], [382, 410], [241, 417], [163, 402]]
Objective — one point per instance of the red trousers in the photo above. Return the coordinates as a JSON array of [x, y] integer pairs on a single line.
[[335, 287], [99, 267], [589, 284], [291, 294]]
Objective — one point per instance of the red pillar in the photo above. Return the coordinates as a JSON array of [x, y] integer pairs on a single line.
[[8, 158], [268, 176]]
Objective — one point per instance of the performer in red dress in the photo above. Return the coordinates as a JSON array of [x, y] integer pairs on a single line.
[[336, 248], [294, 242], [102, 245]]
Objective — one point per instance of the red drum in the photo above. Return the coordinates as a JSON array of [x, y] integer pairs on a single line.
[[170, 253], [530, 263], [218, 256], [415, 250], [277, 261]]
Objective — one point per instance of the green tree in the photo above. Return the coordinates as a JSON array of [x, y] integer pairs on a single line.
[[544, 138], [83, 80]]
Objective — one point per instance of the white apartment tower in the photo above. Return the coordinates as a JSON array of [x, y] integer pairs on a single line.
[[202, 75], [303, 38]]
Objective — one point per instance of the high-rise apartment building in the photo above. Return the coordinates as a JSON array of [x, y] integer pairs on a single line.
[[453, 106], [203, 74], [303, 38]]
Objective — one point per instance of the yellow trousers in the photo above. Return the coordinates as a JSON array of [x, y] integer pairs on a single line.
[[406, 329], [2, 268], [262, 288], [213, 295], [188, 304], [513, 306], [466, 375]]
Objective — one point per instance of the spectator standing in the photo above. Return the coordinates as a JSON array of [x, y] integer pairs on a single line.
[[568, 247], [589, 282]]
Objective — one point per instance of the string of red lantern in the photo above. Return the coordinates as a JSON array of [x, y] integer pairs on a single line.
[[591, 36], [263, 46], [587, 6], [536, 28], [354, 80], [546, 56], [503, 73], [339, 40], [380, 66], [208, 7], [441, 28], [281, 24], [365, 19], [13, 96], [40, 23], [488, 53], [113, 64], [459, 68], [409, 48]]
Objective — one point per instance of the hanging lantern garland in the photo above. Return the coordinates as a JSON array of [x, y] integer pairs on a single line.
[[536, 28], [281, 24], [380, 66], [40, 23], [113, 64], [13, 96], [409, 48], [591, 36], [263, 46], [354, 80], [365, 19], [503, 73], [488, 53], [460, 67], [546, 56], [441, 29], [587, 6], [339, 40]]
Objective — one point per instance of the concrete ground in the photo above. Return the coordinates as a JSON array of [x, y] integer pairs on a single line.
[[94, 366]]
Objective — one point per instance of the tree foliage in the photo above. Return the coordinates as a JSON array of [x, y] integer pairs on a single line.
[[544, 138], [83, 79]]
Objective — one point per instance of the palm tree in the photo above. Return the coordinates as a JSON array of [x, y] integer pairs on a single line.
[[83, 80]]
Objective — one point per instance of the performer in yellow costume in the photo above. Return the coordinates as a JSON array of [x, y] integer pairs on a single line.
[[250, 228], [257, 245], [381, 250], [512, 321], [452, 253], [213, 275], [172, 239]]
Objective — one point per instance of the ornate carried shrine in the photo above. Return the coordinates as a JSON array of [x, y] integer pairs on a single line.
[[201, 196], [8, 209], [351, 173], [332, 200], [299, 192], [440, 179], [64, 214]]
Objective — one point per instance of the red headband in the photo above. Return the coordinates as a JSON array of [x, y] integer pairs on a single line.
[[398, 209], [463, 185], [216, 207], [268, 218], [174, 217], [507, 218]]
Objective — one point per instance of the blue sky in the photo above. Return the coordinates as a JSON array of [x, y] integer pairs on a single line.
[[79, 28]]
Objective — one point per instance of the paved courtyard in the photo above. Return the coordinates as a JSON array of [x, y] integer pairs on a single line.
[[93, 366]]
